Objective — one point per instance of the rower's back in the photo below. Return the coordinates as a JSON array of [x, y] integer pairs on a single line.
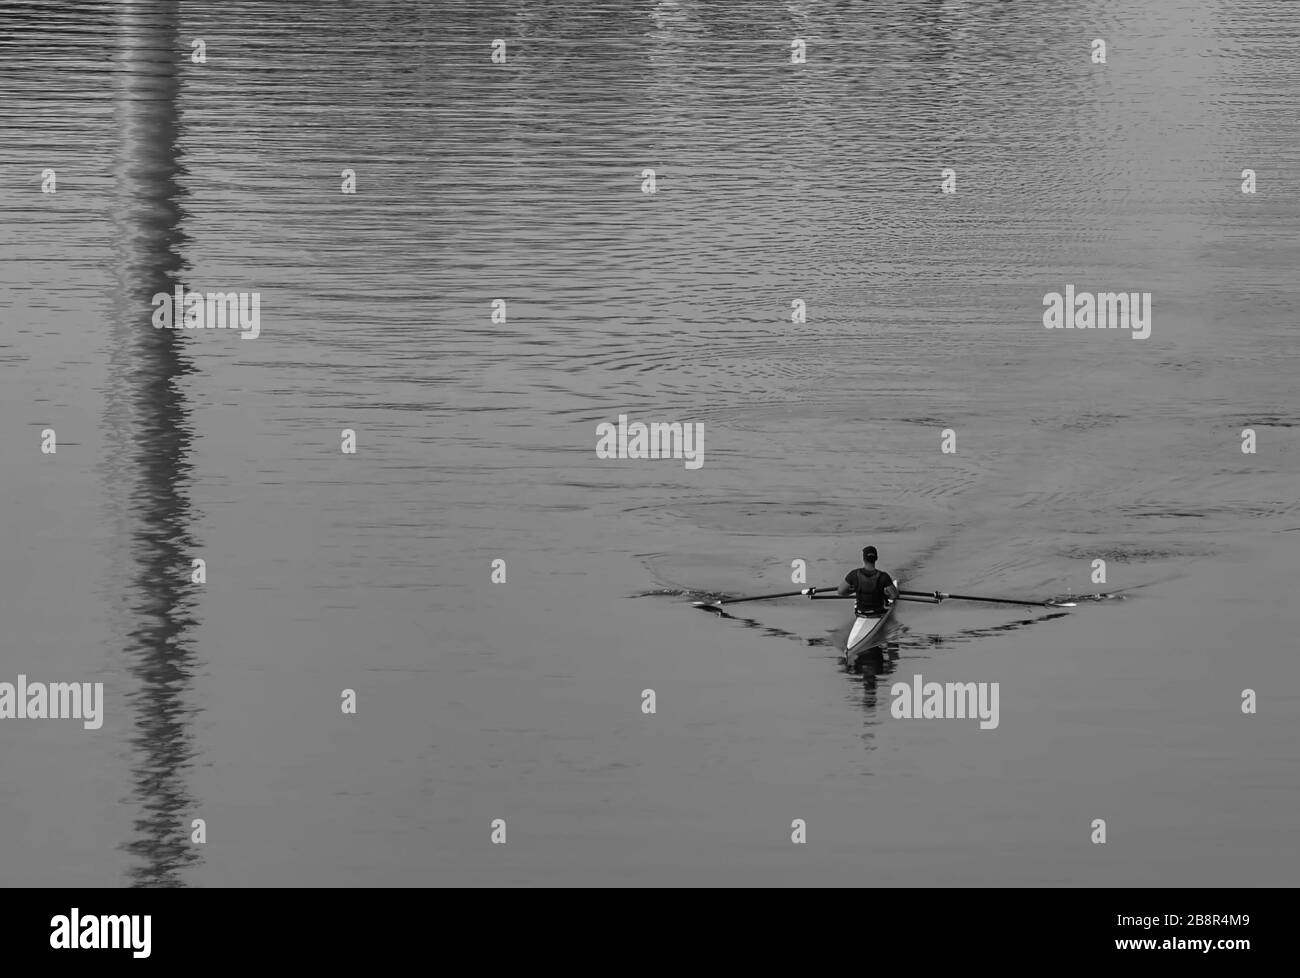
[[869, 583], [873, 587]]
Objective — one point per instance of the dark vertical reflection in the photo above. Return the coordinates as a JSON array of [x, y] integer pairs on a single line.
[[148, 424], [874, 665]]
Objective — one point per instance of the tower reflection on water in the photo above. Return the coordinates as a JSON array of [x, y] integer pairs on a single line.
[[147, 470]]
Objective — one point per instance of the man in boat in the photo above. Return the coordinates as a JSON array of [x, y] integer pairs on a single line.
[[872, 586]]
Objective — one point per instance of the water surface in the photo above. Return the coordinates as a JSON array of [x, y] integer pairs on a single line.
[[522, 182]]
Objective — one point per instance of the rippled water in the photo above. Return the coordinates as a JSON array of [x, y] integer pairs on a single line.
[[523, 182]]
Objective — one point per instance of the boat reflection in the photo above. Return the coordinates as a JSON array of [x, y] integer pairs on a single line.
[[875, 662]]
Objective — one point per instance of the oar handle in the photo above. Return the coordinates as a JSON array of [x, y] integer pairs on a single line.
[[902, 596]]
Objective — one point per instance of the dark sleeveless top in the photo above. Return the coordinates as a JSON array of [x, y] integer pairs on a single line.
[[870, 589]]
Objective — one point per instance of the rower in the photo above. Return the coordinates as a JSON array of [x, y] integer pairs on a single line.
[[872, 586]]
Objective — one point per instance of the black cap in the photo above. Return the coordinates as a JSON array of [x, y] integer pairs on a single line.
[[869, 553]]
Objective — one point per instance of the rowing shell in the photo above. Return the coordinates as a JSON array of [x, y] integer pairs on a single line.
[[866, 633]]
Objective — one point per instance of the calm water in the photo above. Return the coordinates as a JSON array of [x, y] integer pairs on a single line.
[[522, 182]]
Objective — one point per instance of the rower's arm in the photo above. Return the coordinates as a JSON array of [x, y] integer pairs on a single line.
[[845, 589], [891, 590]]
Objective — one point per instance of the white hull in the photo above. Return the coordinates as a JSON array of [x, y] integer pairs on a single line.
[[865, 634]]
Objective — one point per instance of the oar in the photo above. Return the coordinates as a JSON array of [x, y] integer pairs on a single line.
[[810, 591], [944, 596]]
